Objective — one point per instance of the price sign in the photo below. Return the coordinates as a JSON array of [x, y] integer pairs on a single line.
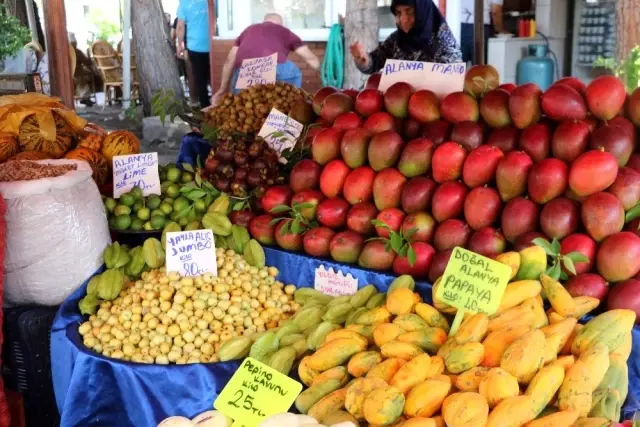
[[280, 131], [472, 283], [257, 71], [441, 79], [256, 392], [136, 170], [191, 253], [336, 284]]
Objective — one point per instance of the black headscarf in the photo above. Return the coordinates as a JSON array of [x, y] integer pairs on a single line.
[[428, 20]]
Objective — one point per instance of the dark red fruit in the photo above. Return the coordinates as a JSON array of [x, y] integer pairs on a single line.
[[439, 265], [417, 194], [421, 225], [369, 101], [562, 102], [316, 241], [626, 187], [447, 162], [480, 166], [560, 217], [602, 215], [448, 201], [305, 175], [276, 196], [482, 207], [512, 174], [494, 108], [536, 141], [360, 216], [346, 247], [506, 139], [242, 218], [583, 244], [570, 140], [332, 213], [593, 171], [438, 131], [618, 257], [526, 240], [605, 97], [615, 140], [375, 256], [308, 197], [289, 241], [358, 186], [393, 218], [547, 180], [573, 82], [424, 106], [452, 233], [424, 253], [624, 295], [488, 242], [587, 285], [519, 217], [348, 121], [468, 134]]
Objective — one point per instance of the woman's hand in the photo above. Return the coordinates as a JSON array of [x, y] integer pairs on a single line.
[[215, 99], [359, 54]]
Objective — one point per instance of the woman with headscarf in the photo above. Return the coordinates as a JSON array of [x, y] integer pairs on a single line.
[[422, 35]]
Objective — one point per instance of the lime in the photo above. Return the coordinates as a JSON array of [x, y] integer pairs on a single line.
[[144, 214], [173, 191], [127, 199], [166, 208], [164, 186], [158, 212], [112, 222], [170, 166], [147, 226], [195, 225], [163, 175], [137, 206], [192, 215], [180, 204], [174, 174], [137, 224], [183, 221], [187, 177], [122, 210], [110, 204], [153, 201], [168, 200], [137, 193], [157, 222], [174, 216], [122, 222], [200, 206]]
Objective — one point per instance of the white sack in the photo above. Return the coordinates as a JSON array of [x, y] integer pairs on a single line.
[[56, 233]]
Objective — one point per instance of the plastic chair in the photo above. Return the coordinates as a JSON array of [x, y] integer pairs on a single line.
[[110, 67]]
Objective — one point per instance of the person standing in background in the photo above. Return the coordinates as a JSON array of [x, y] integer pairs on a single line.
[[195, 15], [492, 13], [264, 39], [184, 66]]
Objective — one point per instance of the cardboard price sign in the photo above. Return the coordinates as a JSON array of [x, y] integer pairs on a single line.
[[257, 71], [441, 79], [336, 284], [472, 283], [191, 253], [256, 392], [280, 131], [136, 170]]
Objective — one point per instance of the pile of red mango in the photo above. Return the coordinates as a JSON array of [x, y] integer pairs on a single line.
[[396, 180]]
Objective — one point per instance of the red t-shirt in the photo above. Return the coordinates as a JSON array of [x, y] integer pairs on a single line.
[[264, 39]]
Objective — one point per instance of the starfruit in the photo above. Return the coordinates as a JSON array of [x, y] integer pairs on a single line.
[[89, 304], [136, 264], [116, 256], [220, 205], [218, 223], [92, 286], [153, 253], [110, 284], [254, 254], [238, 239]]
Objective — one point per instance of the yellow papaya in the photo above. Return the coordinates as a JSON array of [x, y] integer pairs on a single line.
[[411, 373], [383, 406], [617, 376], [420, 422], [429, 339], [512, 412], [533, 262], [518, 292], [464, 357], [439, 421], [357, 393], [401, 350], [362, 362], [554, 317], [514, 317], [624, 349], [496, 343], [471, 379], [596, 358], [437, 303], [337, 417], [524, 356], [609, 328], [498, 385], [410, 322], [313, 394], [331, 403], [465, 410], [544, 386], [425, 399], [512, 259], [335, 353], [306, 374], [584, 306], [557, 336], [338, 373], [436, 367], [558, 296], [433, 317], [565, 362], [559, 419], [474, 329], [449, 345], [402, 301], [386, 369], [592, 422], [374, 316], [567, 349], [575, 391], [364, 330], [540, 319], [386, 332], [345, 334]]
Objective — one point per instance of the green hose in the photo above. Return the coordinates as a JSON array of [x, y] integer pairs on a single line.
[[333, 63]]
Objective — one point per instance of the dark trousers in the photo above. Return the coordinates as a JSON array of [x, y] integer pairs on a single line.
[[466, 40], [201, 76]]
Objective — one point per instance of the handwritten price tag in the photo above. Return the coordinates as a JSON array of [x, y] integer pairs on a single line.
[[336, 284], [472, 283], [136, 170], [441, 79], [191, 253], [280, 131], [256, 392], [257, 71]]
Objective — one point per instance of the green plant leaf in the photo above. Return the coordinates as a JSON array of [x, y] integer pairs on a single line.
[[198, 180], [274, 221], [381, 224], [396, 242], [555, 244], [545, 245], [403, 250], [301, 206], [373, 239], [563, 276], [286, 228], [387, 246], [295, 226], [280, 209], [184, 212], [569, 265], [554, 271], [238, 206], [187, 167], [195, 195], [412, 256], [576, 257], [411, 232], [632, 213]]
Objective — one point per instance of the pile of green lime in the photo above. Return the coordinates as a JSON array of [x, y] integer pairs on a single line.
[[133, 211]]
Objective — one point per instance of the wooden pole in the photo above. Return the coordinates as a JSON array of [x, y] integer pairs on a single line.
[[478, 33], [212, 35], [126, 55], [60, 74]]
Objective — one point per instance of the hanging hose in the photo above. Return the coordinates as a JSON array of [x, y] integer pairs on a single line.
[[333, 63]]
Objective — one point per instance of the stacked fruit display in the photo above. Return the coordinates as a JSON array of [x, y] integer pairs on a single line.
[[391, 362], [401, 178]]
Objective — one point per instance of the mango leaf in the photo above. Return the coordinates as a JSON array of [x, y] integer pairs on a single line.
[[411, 232], [403, 250], [387, 246], [238, 206], [187, 167], [295, 226], [412, 256], [280, 209], [569, 265], [396, 242], [301, 206], [545, 245], [198, 180], [555, 244], [632, 214], [373, 239], [285, 229], [554, 271], [577, 257], [378, 223], [274, 221], [563, 276], [195, 195], [184, 212]]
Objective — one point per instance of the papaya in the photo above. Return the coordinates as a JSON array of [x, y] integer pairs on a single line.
[[596, 359], [338, 373], [566, 350], [439, 421], [544, 386], [362, 330], [608, 328], [565, 362], [517, 292], [383, 406], [338, 417], [557, 336], [410, 322], [498, 385], [386, 369], [617, 377], [558, 296], [606, 404], [313, 394], [516, 316], [374, 316], [524, 356], [554, 317], [624, 349], [357, 393], [306, 374], [429, 339], [402, 301], [335, 353], [449, 345], [512, 259], [437, 303], [362, 362], [411, 373], [401, 350], [575, 391], [465, 410], [584, 305], [592, 422], [473, 329], [436, 367], [558, 419], [386, 332], [329, 404], [533, 263], [433, 317], [345, 334], [425, 398], [464, 357], [536, 305], [420, 422], [496, 343], [512, 412], [471, 379]]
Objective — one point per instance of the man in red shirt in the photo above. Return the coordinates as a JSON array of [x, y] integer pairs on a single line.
[[264, 39]]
